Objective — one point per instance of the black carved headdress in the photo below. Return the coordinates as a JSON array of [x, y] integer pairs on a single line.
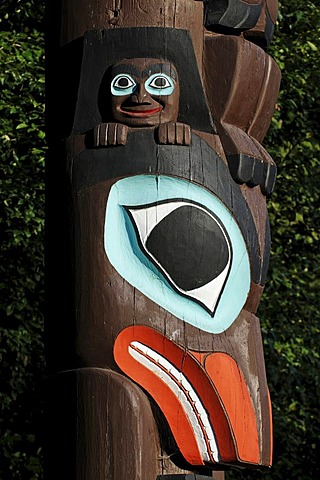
[[103, 48]]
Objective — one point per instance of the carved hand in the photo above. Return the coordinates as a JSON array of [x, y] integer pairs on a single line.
[[253, 171], [174, 134], [110, 135]]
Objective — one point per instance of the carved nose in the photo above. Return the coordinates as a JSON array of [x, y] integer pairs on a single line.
[[141, 93]]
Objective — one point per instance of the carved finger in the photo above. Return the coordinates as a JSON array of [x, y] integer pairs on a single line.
[[103, 128], [162, 134], [174, 134], [241, 167], [270, 174], [182, 134], [171, 133], [122, 134], [257, 173], [179, 133], [94, 136], [186, 134]]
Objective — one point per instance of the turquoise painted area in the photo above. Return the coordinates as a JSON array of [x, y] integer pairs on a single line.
[[124, 84], [166, 89], [125, 254], [120, 90]]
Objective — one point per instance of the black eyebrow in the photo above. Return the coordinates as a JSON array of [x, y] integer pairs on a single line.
[[126, 68], [155, 68], [160, 68]]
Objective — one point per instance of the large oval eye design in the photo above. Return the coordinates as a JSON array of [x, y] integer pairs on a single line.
[[123, 84], [159, 84], [180, 246], [188, 245]]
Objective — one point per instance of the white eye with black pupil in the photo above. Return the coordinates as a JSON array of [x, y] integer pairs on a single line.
[[160, 84], [122, 84]]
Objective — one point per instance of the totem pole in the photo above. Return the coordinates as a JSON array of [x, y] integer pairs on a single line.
[[157, 237]]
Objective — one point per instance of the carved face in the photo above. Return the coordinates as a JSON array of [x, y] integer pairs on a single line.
[[145, 92]]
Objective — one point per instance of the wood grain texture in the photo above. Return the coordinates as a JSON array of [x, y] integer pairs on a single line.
[[262, 32], [132, 201], [189, 476], [79, 16], [255, 19], [218, 476], [237, 111], [88, 406], [238, 15], [111, 304], [242, 96]]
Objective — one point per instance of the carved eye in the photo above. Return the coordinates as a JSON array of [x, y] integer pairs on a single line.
[[123, 84], [181, 248], [160, 84], [188, 245]]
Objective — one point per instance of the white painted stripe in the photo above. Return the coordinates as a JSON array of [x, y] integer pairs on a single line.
[[188, 407]]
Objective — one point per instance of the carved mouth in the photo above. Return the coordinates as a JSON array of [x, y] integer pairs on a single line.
[[183, 391], [135, 112]]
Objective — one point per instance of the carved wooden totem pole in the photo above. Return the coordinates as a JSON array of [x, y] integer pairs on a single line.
[[157, 237]]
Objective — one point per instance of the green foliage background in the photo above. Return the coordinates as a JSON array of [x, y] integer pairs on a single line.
[[21, 231], [290, 308]]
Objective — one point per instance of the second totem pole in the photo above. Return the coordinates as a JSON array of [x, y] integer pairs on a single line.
[[157, 237]]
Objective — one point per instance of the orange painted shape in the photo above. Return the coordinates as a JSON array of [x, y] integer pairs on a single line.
[[167, 400], [199, 356], [171, 407], [231, 386]]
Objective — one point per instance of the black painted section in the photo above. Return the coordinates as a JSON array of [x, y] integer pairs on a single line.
[[262, 40], [269, 178], [231, 14], [59, 264], [102, 48], [60, 420], [190, 247], [197, 163], [267, 247], [253, 171], [269, 30], [63, 70], [187, 476]]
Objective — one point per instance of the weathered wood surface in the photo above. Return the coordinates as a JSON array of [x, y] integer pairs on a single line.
[[158, 234]]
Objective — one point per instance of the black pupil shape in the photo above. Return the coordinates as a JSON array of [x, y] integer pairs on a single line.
[[160, 82], [123, 82], [190, 246]]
